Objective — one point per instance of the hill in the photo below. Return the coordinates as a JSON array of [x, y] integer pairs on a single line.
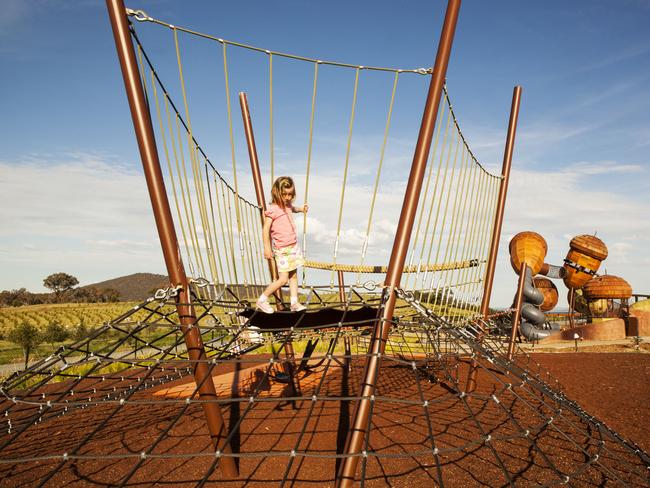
[[135, 287]]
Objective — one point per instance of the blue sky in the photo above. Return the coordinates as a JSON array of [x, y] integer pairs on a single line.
[[74, 197]]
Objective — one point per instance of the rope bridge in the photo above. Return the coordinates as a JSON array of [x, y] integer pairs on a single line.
[[220, 229]]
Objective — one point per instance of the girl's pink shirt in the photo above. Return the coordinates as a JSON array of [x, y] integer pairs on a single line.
[[283, 230]]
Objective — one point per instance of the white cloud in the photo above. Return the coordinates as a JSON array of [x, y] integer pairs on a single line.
[[89, 216], [82, 213], [559, 206]]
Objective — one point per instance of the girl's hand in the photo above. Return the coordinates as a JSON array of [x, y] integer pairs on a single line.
[[268, 254], [305, 207]]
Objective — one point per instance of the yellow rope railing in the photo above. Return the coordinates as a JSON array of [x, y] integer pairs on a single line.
[[355, 268]]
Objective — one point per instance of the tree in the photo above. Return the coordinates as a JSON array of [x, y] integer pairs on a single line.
[[16, 298], [26, 336], [54, 332], [60, 282]]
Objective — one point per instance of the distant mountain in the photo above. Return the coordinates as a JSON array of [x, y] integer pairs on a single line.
[[134, 287]]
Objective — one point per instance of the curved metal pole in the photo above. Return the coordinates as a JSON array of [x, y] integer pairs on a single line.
[[165, 224], [400, 246]]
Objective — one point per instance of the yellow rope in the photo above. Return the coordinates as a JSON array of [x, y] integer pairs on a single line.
[[446, 149], [345, 170], [451, 238], [425, 198], [228, 218], [221, 212], [469, 173], [308, 170], [232, 150], [214, 223], [168, 160], [489, 222], [355, 268], [271, 147], [379, 167], [469, 232], [444, 218], [198, 180], [459, 241]]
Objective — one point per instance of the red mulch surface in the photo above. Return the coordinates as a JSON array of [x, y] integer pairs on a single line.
[[483, 439], [614, 387]]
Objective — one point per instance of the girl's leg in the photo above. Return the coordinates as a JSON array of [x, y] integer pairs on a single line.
[[293, 288], [283, 277], [263, 300]]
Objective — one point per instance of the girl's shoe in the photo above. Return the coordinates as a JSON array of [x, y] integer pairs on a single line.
[[264, 306], [297, 307]]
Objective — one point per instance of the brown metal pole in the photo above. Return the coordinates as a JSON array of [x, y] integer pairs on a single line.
[[257, 181], [516, 315], [165, 224], [572, 303], [341, 288], [400, 245], [261, 201], [503, 190], [498, 222]]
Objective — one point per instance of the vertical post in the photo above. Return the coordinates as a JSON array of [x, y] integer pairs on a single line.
[[400, 245], [503, 190], [257, 180], [341, 288], [259, 193], [516, 315], [498, 222], [165, 225], [572, 302]]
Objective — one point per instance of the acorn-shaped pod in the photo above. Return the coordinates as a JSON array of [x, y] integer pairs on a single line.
[[607, 287], [583, 260], [549, 290], [580, 304], [529, 248]]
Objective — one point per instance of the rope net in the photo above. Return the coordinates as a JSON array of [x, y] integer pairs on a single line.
[[122, 407], [323, 123]]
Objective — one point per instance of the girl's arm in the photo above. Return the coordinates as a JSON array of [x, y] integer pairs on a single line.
[[302, 209], [266, 237]]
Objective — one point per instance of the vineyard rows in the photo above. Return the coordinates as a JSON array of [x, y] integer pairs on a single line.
[[69, 315]]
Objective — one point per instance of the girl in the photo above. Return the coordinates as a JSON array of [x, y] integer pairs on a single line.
[[280, 229]]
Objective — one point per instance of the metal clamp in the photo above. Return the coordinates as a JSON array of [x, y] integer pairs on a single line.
[[139, 15]]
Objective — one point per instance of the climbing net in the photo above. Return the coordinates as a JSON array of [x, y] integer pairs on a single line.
[[122, 406], [363, 179]]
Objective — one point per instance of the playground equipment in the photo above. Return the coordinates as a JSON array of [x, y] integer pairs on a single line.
[[588, 293], [583, 260], [369, 383], [527, 253], [600, 292]]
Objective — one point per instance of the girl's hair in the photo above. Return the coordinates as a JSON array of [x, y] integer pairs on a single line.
[[281, 183]]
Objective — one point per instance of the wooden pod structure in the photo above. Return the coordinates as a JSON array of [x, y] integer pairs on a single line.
[[530, 248], [549, 290], [580, 304], [607, 287], [583, 260]]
